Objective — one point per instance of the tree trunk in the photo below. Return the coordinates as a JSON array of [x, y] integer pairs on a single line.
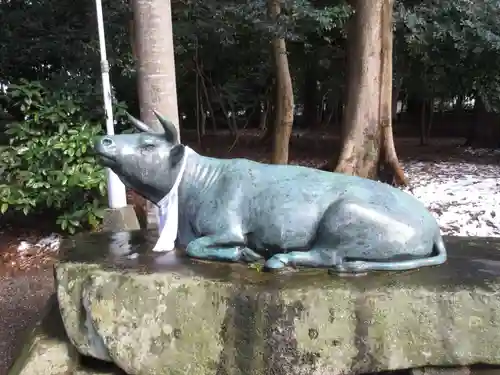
[[360, 128], [154, 46], [340, 111], [311, 100], [269, 125], [430, 119], [368, 143], [423, 126], [459, 105], [485, 130], [331, 110], [388, 156], [441, 106], [474, 121], [396, 89], [284, 94], [263, 115]]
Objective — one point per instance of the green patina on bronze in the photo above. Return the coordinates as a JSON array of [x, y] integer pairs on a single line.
[[284, 215], [169, 314]]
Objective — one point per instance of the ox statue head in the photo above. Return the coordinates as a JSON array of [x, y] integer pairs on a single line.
[[148, 162]]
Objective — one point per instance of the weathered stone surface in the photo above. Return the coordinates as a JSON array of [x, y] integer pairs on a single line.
[[168, 314], [462, 370], [47, 351], [120, 219]]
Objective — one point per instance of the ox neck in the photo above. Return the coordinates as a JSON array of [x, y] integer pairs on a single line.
[[168, 212], [174, 191], [196, 175], [201, 173]]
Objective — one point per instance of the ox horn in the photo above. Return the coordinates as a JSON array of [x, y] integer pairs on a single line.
[[138, 124], [171, 132]]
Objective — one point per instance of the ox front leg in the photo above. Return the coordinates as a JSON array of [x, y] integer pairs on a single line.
[[223, 248]]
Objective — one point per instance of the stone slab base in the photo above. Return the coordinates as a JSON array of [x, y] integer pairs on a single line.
[[120, 219], [47, 351], [163, 313], [464, 370]]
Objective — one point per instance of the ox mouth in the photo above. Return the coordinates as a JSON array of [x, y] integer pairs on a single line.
[[105, 159]]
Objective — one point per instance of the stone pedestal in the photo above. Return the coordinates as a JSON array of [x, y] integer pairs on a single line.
[[157, 314], [47, 351], [120, 219]]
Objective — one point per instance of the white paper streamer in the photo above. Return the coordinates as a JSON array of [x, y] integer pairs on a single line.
[[168, 214]]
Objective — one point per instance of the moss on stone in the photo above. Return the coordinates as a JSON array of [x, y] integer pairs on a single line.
[[47, 350], [166, 314]]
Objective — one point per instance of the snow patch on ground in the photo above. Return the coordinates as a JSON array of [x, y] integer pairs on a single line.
[[481, 151], [52, 243], [464, 197]]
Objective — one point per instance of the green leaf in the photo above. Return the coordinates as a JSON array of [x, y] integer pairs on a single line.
[[36, 173], [92, 219], [100, 213]]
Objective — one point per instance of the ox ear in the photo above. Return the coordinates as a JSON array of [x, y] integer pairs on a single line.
[[138, 124], [171, 132], [176, 154]]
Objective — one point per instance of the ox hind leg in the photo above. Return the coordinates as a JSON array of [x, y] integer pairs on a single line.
[[322, 254], [354, 237], [436, 258]]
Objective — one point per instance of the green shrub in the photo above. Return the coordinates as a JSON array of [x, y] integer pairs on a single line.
[[47, 165]]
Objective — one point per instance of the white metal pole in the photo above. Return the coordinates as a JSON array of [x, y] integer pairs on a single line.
[[117, 196]]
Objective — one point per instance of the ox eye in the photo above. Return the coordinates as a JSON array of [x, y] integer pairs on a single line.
[[148, 147]]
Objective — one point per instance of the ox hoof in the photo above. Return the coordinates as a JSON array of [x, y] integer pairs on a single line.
[[278, 261]]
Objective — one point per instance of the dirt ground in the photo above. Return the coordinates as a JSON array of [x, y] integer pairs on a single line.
[[22, 299], [26, 277], [26, 281]]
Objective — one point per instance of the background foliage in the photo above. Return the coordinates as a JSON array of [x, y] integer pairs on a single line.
[[47, 164]]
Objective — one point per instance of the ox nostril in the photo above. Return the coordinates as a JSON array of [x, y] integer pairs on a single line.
[[106, 142]]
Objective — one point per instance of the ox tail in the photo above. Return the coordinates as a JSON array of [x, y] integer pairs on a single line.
[[437, 257]]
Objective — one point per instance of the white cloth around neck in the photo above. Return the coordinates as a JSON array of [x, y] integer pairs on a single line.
[[168, 214]]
